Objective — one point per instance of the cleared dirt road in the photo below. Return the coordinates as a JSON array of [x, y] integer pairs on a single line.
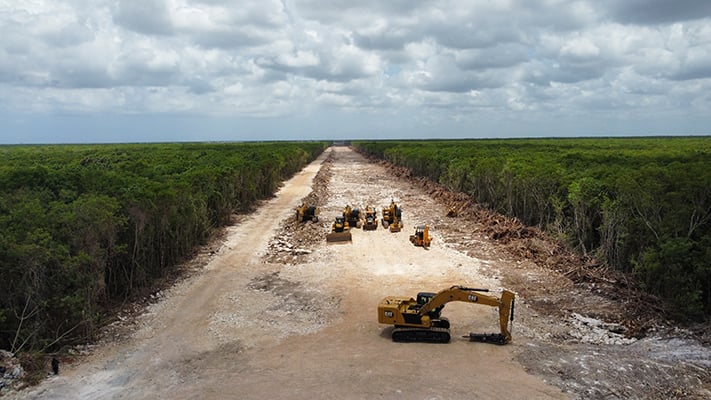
[[245, 328], [290, 316]]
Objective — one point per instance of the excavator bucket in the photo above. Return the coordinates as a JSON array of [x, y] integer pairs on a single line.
[[339, 237], [494, 338], [396, 227]]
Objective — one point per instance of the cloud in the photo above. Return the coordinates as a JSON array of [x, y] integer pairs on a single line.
[[497, 56], [651, 12], [452, 61], [152, 17]]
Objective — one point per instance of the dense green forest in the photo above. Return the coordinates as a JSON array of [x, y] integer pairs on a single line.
[[640, 205], [85, 227]]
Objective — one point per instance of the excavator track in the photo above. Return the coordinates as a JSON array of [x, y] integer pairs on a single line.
[[431, 335]]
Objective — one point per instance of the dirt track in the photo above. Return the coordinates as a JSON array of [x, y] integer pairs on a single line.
[[296, 318]]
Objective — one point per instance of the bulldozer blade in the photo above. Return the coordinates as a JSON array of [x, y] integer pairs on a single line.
[[339, 237], [395, 228]]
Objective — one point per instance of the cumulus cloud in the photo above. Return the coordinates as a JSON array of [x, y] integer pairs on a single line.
[[455, 61], [146, 16], [651, 12]]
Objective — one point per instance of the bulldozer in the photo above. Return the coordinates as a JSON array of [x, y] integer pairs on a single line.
[[422, 236], [420, 320], [392, 217], [307, 212], [340, 231], [371, 219], [352, 216]]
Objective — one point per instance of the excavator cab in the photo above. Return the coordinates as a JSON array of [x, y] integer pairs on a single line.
[[420, 232], [424, 298], [352, 216], [422, 236]]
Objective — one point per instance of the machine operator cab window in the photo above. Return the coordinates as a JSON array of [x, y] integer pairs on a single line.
[[424, 298], [420, 231]]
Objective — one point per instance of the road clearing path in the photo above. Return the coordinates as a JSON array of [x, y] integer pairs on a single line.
[[306, 327]]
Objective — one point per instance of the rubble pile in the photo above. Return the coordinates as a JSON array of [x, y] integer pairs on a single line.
[[297, 239], [11, 371]]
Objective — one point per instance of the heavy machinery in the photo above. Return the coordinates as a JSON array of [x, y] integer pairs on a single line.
[[422, 236], [307, 212], [340, 231], [371, 219], [396, 224], [392, 217], [352, 216], [420, 320]]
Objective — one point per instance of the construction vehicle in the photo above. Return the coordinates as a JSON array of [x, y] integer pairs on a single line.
[[422, 236], [396, 224], [306, 212], [352, 216], [371, 219], [420, 320], [392, 215], [340, 231]]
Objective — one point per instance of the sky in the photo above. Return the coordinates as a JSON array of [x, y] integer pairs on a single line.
[[100, 71]]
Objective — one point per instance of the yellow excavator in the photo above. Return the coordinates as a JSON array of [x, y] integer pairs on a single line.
[[340, 231], [352, 216], [307, 212], [392, 217], [420, 320], [422, 236]]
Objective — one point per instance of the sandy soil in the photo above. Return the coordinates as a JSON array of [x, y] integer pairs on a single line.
[[277, 312]]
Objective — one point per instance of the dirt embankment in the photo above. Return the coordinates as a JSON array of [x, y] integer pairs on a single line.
[[275, 311]]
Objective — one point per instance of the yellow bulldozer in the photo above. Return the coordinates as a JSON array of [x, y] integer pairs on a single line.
[[340, 230], [392, 217], [420, 320]]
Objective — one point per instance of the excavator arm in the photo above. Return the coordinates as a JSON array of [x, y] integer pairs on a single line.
[[505, 304]]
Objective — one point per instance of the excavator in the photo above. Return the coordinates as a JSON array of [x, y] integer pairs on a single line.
[[340, 231], [392, 217], [371, 219], [307, 212], [422, 236], [396, 224], [352, 216], [420, 320]]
